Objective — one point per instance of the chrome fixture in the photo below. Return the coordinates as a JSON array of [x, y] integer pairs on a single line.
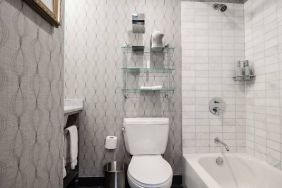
[[219, 161], [217, 106], [218, 141], [138, 23], [243, 71], [220, 7]]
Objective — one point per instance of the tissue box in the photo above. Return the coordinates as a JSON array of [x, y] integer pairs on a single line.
[[138, 23]]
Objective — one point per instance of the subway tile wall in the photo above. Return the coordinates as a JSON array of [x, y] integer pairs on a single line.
[[212, 42], [263, 25]]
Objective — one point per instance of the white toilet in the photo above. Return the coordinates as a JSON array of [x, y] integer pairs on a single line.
[[146, 139]]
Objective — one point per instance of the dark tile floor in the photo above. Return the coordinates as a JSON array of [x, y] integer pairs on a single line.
[[103, 187]]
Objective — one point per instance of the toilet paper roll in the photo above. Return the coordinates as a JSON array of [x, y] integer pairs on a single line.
[[111, 142]]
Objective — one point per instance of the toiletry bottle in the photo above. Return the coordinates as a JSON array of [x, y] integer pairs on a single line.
[[247, 71], [238, 71]]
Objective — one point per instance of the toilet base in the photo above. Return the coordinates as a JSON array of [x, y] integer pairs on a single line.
[[133, 184]]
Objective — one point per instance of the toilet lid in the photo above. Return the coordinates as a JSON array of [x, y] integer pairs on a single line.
[[149, 169]]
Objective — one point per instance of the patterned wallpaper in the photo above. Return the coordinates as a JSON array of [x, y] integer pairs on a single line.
[[95, 30], [31, 105]]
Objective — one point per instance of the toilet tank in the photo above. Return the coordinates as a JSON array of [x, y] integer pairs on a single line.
[[146, 136]]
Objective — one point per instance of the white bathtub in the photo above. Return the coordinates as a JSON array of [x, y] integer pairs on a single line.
[[237, 171]]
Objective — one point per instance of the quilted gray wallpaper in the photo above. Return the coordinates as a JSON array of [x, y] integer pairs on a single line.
[[31, 93], [95, 30]]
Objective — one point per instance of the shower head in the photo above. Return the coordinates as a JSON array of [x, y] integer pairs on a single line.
[[220, 7]]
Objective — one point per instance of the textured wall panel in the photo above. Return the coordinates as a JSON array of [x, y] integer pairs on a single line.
[[95, 32], [31, 105]]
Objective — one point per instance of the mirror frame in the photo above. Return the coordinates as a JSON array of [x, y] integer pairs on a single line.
[[52, 16]]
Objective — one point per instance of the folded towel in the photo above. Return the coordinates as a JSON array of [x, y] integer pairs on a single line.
[[73, 145], [65, 156], [152, 87], [64, 168]]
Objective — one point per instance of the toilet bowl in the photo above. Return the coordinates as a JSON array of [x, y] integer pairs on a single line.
[[146, 140], [149, 171]]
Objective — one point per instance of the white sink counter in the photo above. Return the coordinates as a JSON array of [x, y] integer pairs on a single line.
[[72, 109], [72, 106]]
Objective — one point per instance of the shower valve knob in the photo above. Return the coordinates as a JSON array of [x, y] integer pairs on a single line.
[[215, 109], [216, 106]]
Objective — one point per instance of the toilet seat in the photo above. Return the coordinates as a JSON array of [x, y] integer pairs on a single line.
[[149, 171]]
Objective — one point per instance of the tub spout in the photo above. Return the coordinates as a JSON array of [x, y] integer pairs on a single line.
[[218, 141]]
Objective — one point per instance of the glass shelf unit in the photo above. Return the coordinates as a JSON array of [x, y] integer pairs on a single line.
[[148, 67], [141, 49], [147, 70]]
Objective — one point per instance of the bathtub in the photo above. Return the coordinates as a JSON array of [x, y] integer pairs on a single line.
[[237, 171]]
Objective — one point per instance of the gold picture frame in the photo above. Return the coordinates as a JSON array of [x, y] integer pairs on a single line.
[[50, 10]]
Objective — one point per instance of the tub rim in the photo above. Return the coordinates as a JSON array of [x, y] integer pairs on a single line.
[[193, 160]]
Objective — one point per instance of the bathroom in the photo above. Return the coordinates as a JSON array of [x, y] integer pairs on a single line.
[[179, 93]]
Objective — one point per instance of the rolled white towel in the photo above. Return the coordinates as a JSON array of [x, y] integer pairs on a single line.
[[152, 87], [73, 137]]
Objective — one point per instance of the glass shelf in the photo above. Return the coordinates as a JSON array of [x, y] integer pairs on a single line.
[[141, 49], [145, 70], [139, 90], [243, 78]]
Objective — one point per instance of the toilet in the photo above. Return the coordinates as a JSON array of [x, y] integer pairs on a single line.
[[146, 140]]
